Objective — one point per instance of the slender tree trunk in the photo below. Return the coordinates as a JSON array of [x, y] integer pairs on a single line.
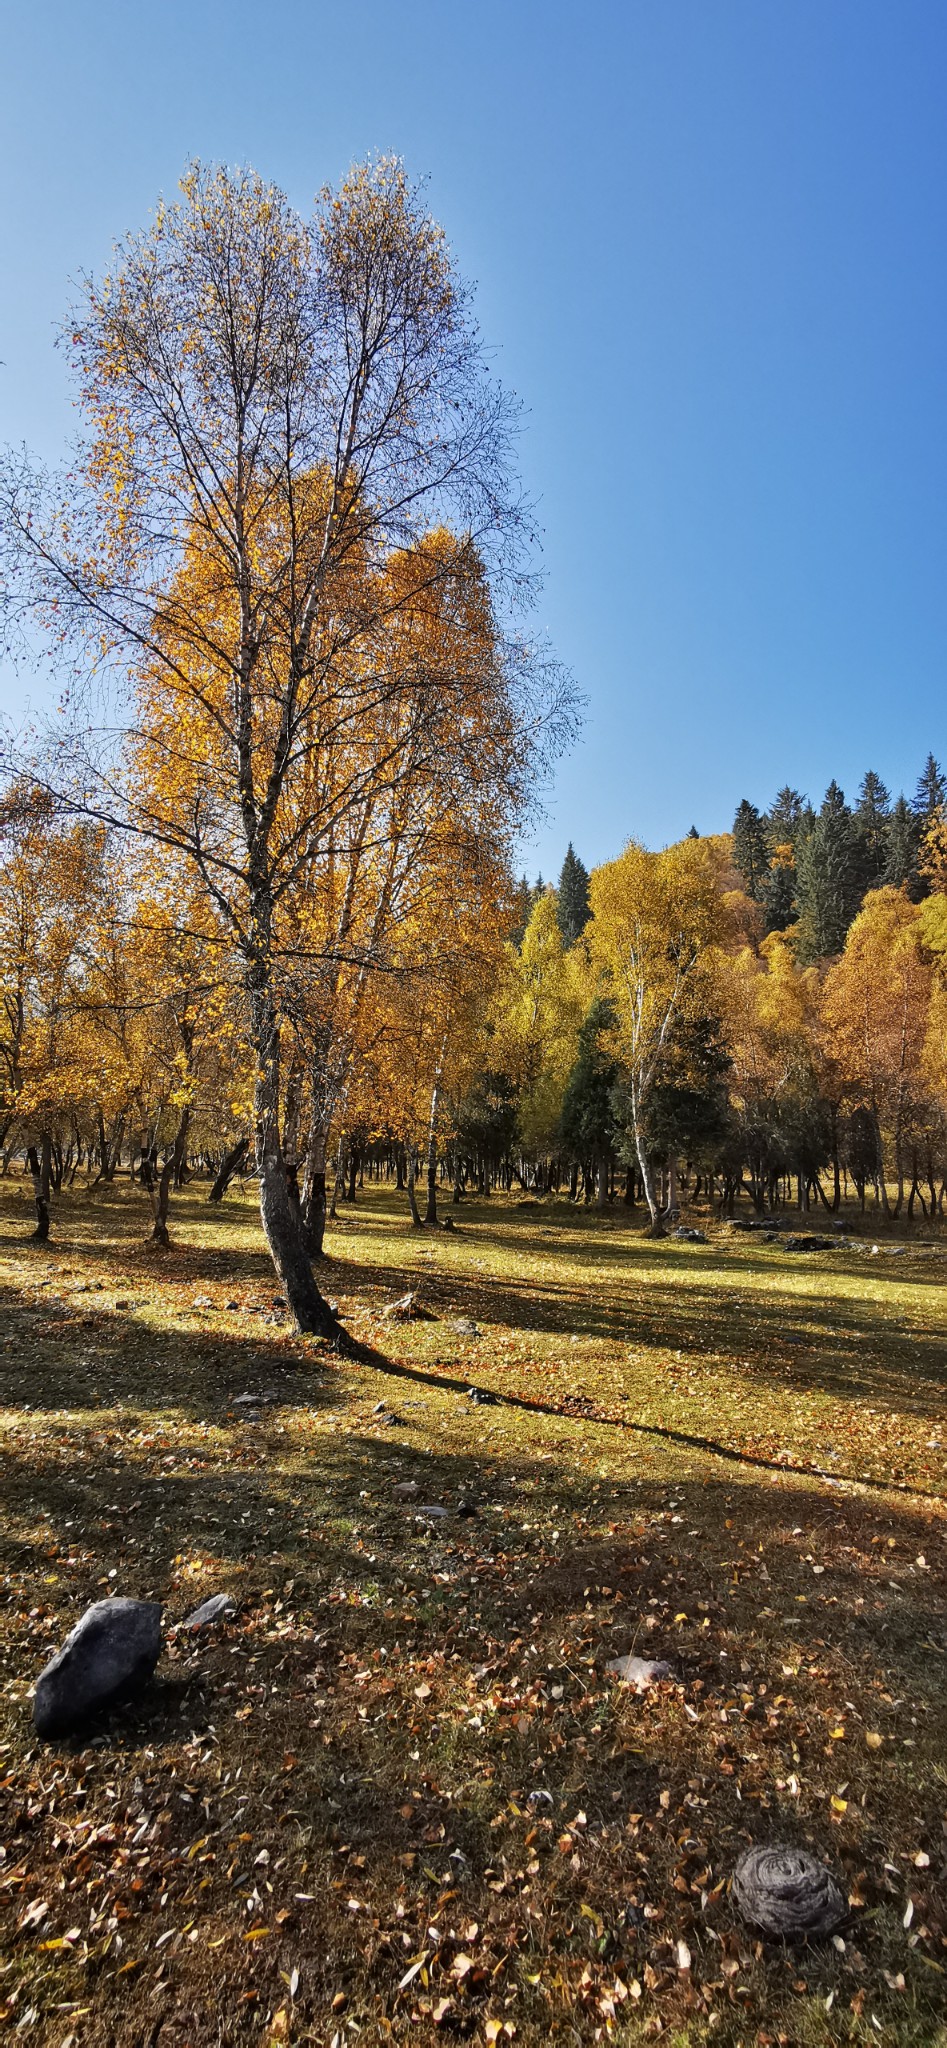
[[160, 1190], [673, 1209], [411, 1179], [314, 1192], [648, 1187], [278, 1213], [40, 1172], [230, 1165]]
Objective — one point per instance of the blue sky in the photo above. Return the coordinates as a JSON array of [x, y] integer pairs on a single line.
[[710, 244]]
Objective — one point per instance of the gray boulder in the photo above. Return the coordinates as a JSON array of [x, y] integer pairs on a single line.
[[112, 1650], [215, 1609]]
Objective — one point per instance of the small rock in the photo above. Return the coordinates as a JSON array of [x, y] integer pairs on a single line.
[[210, 1610], [784, 1890], [112, 1649], [407, 1309], [640, 1672]]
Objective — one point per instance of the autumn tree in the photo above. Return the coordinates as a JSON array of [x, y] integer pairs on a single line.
[[277, 410], [656, 918], [877, 1007]]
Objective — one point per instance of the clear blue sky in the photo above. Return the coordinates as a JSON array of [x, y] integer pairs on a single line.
[[710, 243]]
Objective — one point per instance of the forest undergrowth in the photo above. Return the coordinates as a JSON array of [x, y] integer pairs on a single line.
[[398, 1792]]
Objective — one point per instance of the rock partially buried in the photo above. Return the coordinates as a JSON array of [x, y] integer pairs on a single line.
[[111, 1651], [786, 1891], [215, 1609], [639, 1671]]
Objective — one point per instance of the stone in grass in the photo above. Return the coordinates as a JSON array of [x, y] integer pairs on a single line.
[[639, 1671], [215, 1609], [784, 1890], [111, 1651]]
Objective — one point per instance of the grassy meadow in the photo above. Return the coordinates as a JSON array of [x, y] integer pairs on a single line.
[[398, 1793]]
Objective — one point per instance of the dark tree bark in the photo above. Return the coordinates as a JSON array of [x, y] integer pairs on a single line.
[[230, 1165], [40, 1171]]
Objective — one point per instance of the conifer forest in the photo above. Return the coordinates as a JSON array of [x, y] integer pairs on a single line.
[[473, 1359]]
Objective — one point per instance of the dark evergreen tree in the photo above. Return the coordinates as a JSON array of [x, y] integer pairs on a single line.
[[750, 850], [523, 902], [828, 882], [904, 837], [779, 891], [931, 792], [687, 1108], [586, 1124], [572, 897], [872, 821], [789, 818]]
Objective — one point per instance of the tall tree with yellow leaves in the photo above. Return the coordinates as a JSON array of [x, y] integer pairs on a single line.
[[276, 408], [656, 919]]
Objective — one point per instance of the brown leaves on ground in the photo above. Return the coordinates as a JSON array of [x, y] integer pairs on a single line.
[[398, 1794]]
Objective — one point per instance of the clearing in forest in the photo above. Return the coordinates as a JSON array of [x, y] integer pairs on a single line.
[[398, 1793]]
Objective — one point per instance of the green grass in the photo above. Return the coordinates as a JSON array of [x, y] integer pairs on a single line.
[[728, 1455]]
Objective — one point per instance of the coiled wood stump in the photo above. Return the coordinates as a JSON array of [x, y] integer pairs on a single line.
[[786, 1891]]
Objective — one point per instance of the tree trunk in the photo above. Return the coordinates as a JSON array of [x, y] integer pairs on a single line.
[[278, 1213], [160, 1191], [410, 1181], [231, 1164], [39, 1169], [647, 1183], [314, 1205]]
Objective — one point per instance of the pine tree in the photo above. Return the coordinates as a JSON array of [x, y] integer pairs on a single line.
[[872, 821], [750, 852], [586, 1124], [523, 902], [778, 897], [572, 897], [828, 880], [903, 846], [931, 792], [789, 818]]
